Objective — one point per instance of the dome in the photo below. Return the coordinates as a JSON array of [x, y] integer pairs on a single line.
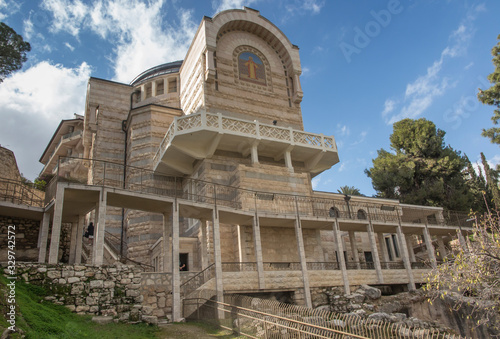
[[167, 68]]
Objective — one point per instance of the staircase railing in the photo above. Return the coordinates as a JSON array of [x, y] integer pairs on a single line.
[[199, 279], [20, 193], [110, 239]]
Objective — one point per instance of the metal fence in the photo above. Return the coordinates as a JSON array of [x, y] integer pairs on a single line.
[[142, 180], [20, 193], [259, 318]]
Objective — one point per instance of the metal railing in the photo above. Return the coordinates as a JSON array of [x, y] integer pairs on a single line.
[[421, 265], [198, 280], [392, 265], [323, 266], [259, 318], [239, 266], [142, 180], [351, 265], [20, 193], [115, 243]]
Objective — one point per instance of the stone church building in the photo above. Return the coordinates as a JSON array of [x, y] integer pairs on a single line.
[[203, 165]]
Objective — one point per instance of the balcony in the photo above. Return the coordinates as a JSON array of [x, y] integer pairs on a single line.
[[68, 140], [198, 136]]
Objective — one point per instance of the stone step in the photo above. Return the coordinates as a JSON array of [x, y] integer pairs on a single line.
[[162, 322]]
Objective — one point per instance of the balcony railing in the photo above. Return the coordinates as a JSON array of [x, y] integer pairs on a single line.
[[229, 125], [146, 181]]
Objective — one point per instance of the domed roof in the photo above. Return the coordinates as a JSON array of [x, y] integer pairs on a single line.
[[169, 67]]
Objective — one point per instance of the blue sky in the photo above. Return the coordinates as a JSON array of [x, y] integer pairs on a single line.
[[366, 64]]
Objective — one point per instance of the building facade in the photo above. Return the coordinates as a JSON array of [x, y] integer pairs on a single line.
[[203, 165]]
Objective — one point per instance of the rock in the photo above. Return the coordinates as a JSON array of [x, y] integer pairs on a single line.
[[150, 319], [96, 284], [380, 316], [72, 280], [323, 308], [397, 317], [371, 292], [361, 313], [336, 323], [102, 319], [356, 298], [53, 274]]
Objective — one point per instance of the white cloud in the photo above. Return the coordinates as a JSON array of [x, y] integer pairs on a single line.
[[315, 182], [421, 93], [69, 15], [71, 48], [33, 103], [139, 44], [313, 5], [8, 7], [343, 130], [361, 138], [28, 29], [389, 106], [301, 6], [222, 5]]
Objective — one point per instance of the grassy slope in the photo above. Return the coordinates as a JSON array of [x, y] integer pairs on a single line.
[[40, 319]]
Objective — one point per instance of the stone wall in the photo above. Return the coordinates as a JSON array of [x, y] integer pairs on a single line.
[[26, 231], [156, 292], [123, 292], [109, 291], [8, 165]]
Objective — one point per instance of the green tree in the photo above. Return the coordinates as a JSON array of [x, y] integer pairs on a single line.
[[349, 190], [491, 96], [477, 187], [492, 183], [420, 169], [13, 51]]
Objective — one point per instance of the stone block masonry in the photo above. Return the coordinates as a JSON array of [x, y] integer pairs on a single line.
[[124, 292], [108, 290]]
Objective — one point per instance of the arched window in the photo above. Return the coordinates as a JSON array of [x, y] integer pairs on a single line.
[[334, 212], [361, 214]]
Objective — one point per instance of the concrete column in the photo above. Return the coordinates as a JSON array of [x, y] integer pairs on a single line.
[[79, 239], [204, 244], [430, 248], [219, 286], [153, 88], [72, 243], [99, 232], [409, 246], [354, 248], [442, 249], [56, 225], [254, 154], [406, 258], [176, 276], [383, 248], [288, 161], [257, 246], [167, 249], [340, 254], [44, 235], [303, 263], [242, 255], [375, 255]]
